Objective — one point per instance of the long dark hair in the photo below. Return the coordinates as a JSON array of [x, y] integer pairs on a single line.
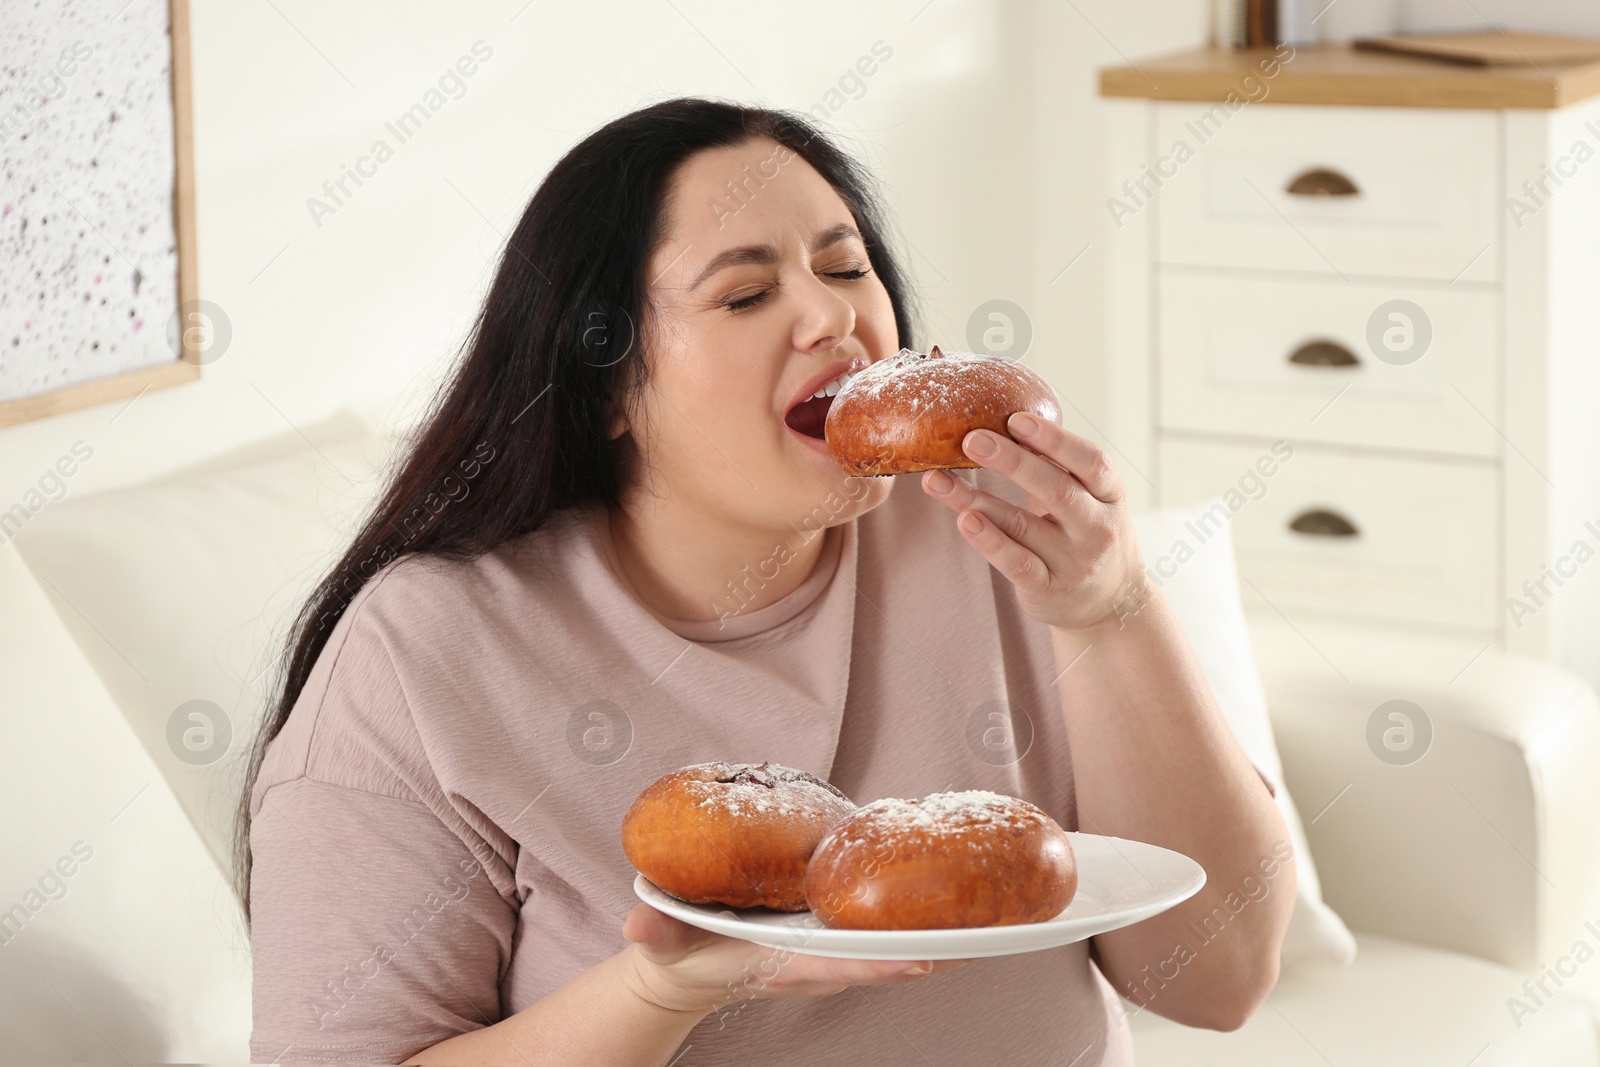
[[542, 369]]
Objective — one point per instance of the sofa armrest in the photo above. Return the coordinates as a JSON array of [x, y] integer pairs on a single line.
[[1486, 844]]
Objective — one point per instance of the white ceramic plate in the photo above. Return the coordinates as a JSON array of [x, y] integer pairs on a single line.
[[1120, 882]]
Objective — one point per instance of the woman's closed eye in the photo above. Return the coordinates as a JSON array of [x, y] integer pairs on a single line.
[[744, 302]]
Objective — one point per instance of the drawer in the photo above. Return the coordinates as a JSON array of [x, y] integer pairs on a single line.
[[1423, 206], [1426, 541], [1269, 357]]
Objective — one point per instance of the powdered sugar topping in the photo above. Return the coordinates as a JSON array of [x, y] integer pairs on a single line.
[[937, 815], [766, 788], [917, 379]]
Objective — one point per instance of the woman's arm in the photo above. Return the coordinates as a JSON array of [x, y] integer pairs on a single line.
[[1165, 768], [1153, 758], [601, 1016], [637, 1007]]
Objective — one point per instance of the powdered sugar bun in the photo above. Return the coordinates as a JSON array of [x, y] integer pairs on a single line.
[[910, 411], [732, 833], [953, 859]]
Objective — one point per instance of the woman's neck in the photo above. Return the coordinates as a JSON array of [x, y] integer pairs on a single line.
[[685, 568]]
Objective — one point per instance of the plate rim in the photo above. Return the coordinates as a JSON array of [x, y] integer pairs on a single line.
[[1013, 939]]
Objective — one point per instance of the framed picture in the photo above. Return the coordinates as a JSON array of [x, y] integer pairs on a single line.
[[98, 294]]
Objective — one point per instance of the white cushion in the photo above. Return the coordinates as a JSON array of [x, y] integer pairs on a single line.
[[1397, 1003], [132, 947], [1194, 567], [183, 588], [1487, 842]]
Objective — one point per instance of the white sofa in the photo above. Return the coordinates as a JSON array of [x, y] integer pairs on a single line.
[[1463, 875]]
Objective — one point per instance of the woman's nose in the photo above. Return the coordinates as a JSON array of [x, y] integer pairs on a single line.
[[827, 320]]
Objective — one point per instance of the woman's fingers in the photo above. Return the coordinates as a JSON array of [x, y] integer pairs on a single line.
[[1011, 558], [1085, 460], [1007, 536], [1068, 479], [661, 938], [1056, 493], [822, 973], [1017, 523], [1060, 492], [1069, 475], [683, 967]]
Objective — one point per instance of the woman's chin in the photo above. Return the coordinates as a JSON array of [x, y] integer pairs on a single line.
[[844, 497], [829, 493]]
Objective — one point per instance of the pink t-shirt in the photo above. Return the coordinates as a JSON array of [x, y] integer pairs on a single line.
[[436, 829]]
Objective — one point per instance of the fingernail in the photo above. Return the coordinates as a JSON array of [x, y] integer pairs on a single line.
[[940, 482], [920, 968], [971, 523], [980, 444], [1023, 425]]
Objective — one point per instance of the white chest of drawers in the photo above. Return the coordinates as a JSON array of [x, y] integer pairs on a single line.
[[1372, 284]]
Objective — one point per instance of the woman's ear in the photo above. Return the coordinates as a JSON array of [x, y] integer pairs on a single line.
[[616, 421]]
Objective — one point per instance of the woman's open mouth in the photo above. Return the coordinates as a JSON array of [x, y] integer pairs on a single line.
[[808, 417]]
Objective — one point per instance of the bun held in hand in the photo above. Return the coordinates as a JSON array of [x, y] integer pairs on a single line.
[[910, 411]]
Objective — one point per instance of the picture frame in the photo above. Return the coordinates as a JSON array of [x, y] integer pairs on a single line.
[[27, 350]]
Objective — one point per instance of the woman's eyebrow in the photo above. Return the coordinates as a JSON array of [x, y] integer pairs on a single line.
[[768, 254]]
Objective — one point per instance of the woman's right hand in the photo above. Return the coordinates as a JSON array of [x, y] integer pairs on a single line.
[[683, 968]]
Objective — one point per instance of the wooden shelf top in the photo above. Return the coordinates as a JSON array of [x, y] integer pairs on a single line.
[[1340, 74]]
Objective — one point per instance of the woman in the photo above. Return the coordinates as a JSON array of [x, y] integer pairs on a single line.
[[618, 547]]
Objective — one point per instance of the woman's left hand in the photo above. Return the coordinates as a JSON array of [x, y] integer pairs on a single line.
[[1073, 555]]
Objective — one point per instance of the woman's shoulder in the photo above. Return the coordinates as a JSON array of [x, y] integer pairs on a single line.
[[351, 704], [432, 587], [395, 639]]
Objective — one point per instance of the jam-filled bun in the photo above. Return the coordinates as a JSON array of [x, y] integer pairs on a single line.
[[910, 411], [732, 833], [970, 858]]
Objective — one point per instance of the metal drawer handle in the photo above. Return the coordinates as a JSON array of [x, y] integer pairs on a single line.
[[1320, 523], [1320, 181], [1323, 354]]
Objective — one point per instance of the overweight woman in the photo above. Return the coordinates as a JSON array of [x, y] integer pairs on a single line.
[[617, 546]]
